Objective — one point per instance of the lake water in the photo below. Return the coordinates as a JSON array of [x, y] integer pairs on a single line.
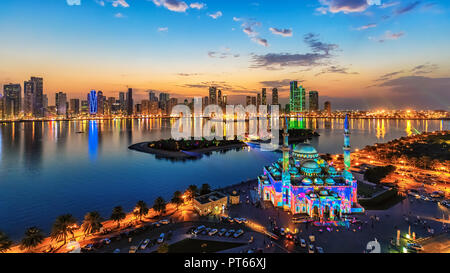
[[51, 168]]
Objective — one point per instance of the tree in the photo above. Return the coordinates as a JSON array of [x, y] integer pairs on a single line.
[[205, 189], [92, 222], [5, 242], [62, 227], [118, 215], [191, 192], [163, 248], [159, 205], [141, 209], [177, 199], [33, 238]]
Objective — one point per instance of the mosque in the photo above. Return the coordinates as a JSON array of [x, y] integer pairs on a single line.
[[302, 182]]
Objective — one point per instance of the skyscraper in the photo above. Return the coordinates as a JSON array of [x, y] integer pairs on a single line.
[[100, 103], [264, 96], [74, 106], [130, 102], [122, 101], [212, 95], [33, 96], [275, 96], [92, 98], [313, 101], [258, 101], [327, 107], [248, 101], [152, 96], [12, 100], [163, 100], [61, 103], [297, 98], [219, 97]]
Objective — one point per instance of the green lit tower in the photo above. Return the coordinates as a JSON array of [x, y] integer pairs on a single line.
[[297, 98], [286, 176]]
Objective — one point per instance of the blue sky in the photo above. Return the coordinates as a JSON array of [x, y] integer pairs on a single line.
[[390, 55]]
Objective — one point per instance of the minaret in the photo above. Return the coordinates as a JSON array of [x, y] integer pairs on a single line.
[[286, 176], [347, 162]]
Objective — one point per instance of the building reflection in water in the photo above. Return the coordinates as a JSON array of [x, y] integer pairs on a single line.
[[32, 145], [93, 139]]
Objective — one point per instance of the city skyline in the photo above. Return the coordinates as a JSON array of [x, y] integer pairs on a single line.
[[358, 56]]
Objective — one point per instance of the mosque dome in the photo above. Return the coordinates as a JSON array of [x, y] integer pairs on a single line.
[[307, 181], [305, 151], [310, 167], [318, 181], [310, 164]]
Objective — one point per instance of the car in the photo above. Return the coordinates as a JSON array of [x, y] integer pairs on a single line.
[[116, 250], [157, 224], [302, 243], [229, 233], [282, 232], [414, 246], [133, 249], [238, 233], [230, 219], [445, 203], [319, 249], [199, 229], [164, 222], [238, 220], [145, 243], [244, 220], [106, 241], [89, 247], [222, 232], [289, 236], [161, 238], [213, 231], [311, 248], [206, 230]]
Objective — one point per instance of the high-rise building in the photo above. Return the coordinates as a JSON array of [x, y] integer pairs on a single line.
[[254, 101], [258, 101], [130, 102], [12, 100], [313, 101], [100, 103], [92, 98], [61, 103], [74, 106], [224, 100], [219, 97], [264, 96], [297, 98], [84, 106], [163, 100], [205, 101], [248, 101], [212, 95], [327, 107], [152, 96], [275, 96], [170, 104], [33, 96], [122, 101], [28, 97]]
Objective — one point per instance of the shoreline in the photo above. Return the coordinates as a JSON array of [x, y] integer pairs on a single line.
[[143, 147]]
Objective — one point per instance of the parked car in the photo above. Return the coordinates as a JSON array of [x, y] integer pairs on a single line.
[[319, 249], [106, 241], [199, 229], [116, 250], [89, 247], [230, 219], [222, 232], [302, 243], [133, 249], [161, 238], [145, 243], [238, 220], [229, 233], [206, 230], [238, 233], [164, 222], [244, 220], [311, 248], [213, 231], [414, 246]]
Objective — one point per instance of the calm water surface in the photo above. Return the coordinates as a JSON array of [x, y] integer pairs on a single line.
[[51, 168]]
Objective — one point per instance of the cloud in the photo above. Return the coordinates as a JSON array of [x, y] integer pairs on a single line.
[[424, 69], [100, 2], [261, 41], [197, 5], [388, 35], [345, 6], [367, 26], [73, 2], [388, 5], [276, 83], [172, 5], [407, 8], [121, 3], [119, 15], [336, 69], [215, 15], [163, 29], [389, 75], [222, 54], [236, 19], [320, 52], [187, 74], [248, 28], [282, 32]]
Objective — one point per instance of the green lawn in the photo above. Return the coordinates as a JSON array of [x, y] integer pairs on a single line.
[[201, 246]]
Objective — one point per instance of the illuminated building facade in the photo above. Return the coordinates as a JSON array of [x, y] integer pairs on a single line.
[[304, 183], [93, 102], [297, 98]]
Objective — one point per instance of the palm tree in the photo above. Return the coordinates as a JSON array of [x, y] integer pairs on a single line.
[[118, 215], [191, 192], [177, 199], [5, 242], [62, 227], [141, 209], [159, 205], [92, 222], [205, 189], [33, 238]]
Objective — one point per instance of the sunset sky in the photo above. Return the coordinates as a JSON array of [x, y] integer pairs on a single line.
[[356, 53]]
